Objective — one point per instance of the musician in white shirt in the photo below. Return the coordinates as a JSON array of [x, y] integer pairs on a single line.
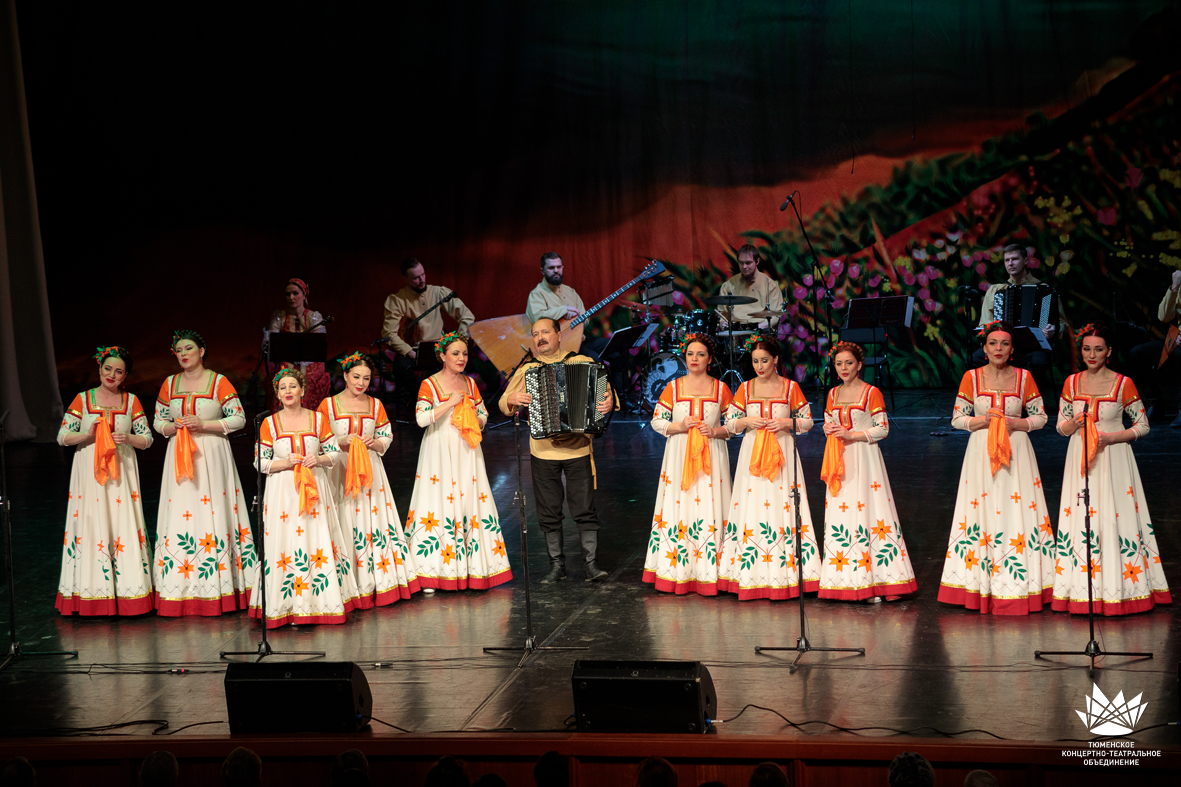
[[1146, 358]]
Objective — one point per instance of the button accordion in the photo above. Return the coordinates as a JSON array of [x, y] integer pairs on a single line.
[[1026, 305], [566, 398]]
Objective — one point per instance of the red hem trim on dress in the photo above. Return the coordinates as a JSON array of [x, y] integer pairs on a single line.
[[466, 583], [1002, 606], [108, 607], [773, 593], [308, 620], [860, 594], [1102, 607], [681, 588], [206, 607]]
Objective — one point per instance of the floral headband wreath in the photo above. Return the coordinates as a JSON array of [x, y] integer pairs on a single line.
[[843, 347], [287, 371], [753, 340], [108, 352], [181, 335], [446, 339], [987, 328], [1081, 332], [700, 338], [349, 361]]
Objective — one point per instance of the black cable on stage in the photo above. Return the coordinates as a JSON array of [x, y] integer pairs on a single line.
[[855, 730], [159, 730], [386, 723]]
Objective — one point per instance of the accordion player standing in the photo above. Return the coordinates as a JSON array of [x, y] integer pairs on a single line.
[[1037, 361], [551, 457]]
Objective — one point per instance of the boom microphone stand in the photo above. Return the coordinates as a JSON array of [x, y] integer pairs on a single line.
[[264, 647], [818, 282], [802, 645], [1092, 650], [531, 645], [14, 645]]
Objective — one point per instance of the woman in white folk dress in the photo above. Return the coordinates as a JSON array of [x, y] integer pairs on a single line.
[[1125, 566], [106, 561], [864, 553], [760, 555], [309, 580], [204, 557], [693, 496], [1000, 554], [374, 546], [452, 526]]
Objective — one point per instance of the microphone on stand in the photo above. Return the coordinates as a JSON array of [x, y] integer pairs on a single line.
[[790, 199]]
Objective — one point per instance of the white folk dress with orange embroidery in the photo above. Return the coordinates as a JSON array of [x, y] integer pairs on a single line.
[[374, 544], [759, 560], [864, 552], [309, 580], [685, 546], [1000, 555], [1125, 559], [204, 559], [106, 561], [453, 528]]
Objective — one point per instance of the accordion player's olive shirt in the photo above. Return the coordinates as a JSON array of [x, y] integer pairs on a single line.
[[1026, 278], [569, 446]]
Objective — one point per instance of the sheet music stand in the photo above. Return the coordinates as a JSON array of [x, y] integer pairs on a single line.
[[866, 323], [285, 347]]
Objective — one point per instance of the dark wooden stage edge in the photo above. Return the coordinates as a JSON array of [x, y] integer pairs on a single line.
[[596, 760]]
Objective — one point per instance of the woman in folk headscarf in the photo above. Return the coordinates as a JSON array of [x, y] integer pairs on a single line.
[[1000, 555], [297, 318], [864, 554], [105, 556], [693, 498]]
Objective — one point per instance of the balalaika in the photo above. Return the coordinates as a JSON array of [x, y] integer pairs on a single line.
[[1028, 305], [566, 398]]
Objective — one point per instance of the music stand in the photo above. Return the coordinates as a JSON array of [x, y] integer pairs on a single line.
[[285, 347], [866, 323]]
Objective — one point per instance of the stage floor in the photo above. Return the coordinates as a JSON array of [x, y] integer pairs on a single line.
[[928, 667]]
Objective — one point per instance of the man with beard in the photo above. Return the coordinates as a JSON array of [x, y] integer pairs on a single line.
[[549, 459], [557, 301], [406, 304]]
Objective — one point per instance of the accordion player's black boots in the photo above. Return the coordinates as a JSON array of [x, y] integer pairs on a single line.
[[590, 545], [557, 560]]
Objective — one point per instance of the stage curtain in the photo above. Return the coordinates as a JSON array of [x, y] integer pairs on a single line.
[[28, 370]]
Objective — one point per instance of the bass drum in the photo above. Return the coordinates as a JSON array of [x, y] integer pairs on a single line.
[[662, 369]]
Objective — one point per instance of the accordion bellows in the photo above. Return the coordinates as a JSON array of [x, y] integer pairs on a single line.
[[1029, 305], [565, 399]]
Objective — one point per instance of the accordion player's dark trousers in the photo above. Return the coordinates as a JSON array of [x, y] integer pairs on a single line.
[[579, 491]]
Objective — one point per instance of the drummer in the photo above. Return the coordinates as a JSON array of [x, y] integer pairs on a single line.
[[752, 283]]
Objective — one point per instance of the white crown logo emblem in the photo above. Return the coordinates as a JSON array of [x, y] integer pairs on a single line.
[[1111, 717]]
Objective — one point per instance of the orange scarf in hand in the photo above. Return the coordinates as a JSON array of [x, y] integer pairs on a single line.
[[766, 458], [696, 458], [1092, 438], [359, 474], [305, 485], [463, 418], [832, 469], [106, 462], [999, 449], [185, 448]]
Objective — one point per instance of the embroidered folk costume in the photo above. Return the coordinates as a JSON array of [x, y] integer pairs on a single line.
[[1125, 560], [105, 554], [1000, 555], [452, 526], [864, 552], [204, 560], [309, 579], [693, 497], [759, 559], [373, 545]]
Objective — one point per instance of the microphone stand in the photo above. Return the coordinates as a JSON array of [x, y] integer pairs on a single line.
[[1092, 650], [822, 379], [14, 646], [530, 647], [802, 645], [528, 354], [264, 647]]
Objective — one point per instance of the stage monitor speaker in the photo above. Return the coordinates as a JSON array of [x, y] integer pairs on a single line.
[[305, 696], [643, 696]]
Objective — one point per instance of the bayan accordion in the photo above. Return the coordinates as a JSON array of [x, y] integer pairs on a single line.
[[565, 399], [1028, 305]]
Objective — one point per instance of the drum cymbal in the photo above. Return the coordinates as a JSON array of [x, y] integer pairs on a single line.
[[765, 313], [728, 300]]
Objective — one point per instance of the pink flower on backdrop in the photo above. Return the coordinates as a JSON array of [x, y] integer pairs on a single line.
[[1032, 262], [923, 279], [980, 268], [983, 285], [908, 278], [924, 317], [1107, 216], [799, 292], [874, 281], [928, 304], [980, 255], [830, 281], [801, 331], [807, 280], [819, 292], [967, 260], [932, 272], [838, 303], [797, 346], [1133, 177], [924, 294], [854, 271], [875, 295], [794, 310], [801, 371], [678, 297], [836, 266]]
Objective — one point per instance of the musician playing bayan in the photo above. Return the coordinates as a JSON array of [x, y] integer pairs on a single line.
[[550, 459], [753, 283], [413, 301]]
